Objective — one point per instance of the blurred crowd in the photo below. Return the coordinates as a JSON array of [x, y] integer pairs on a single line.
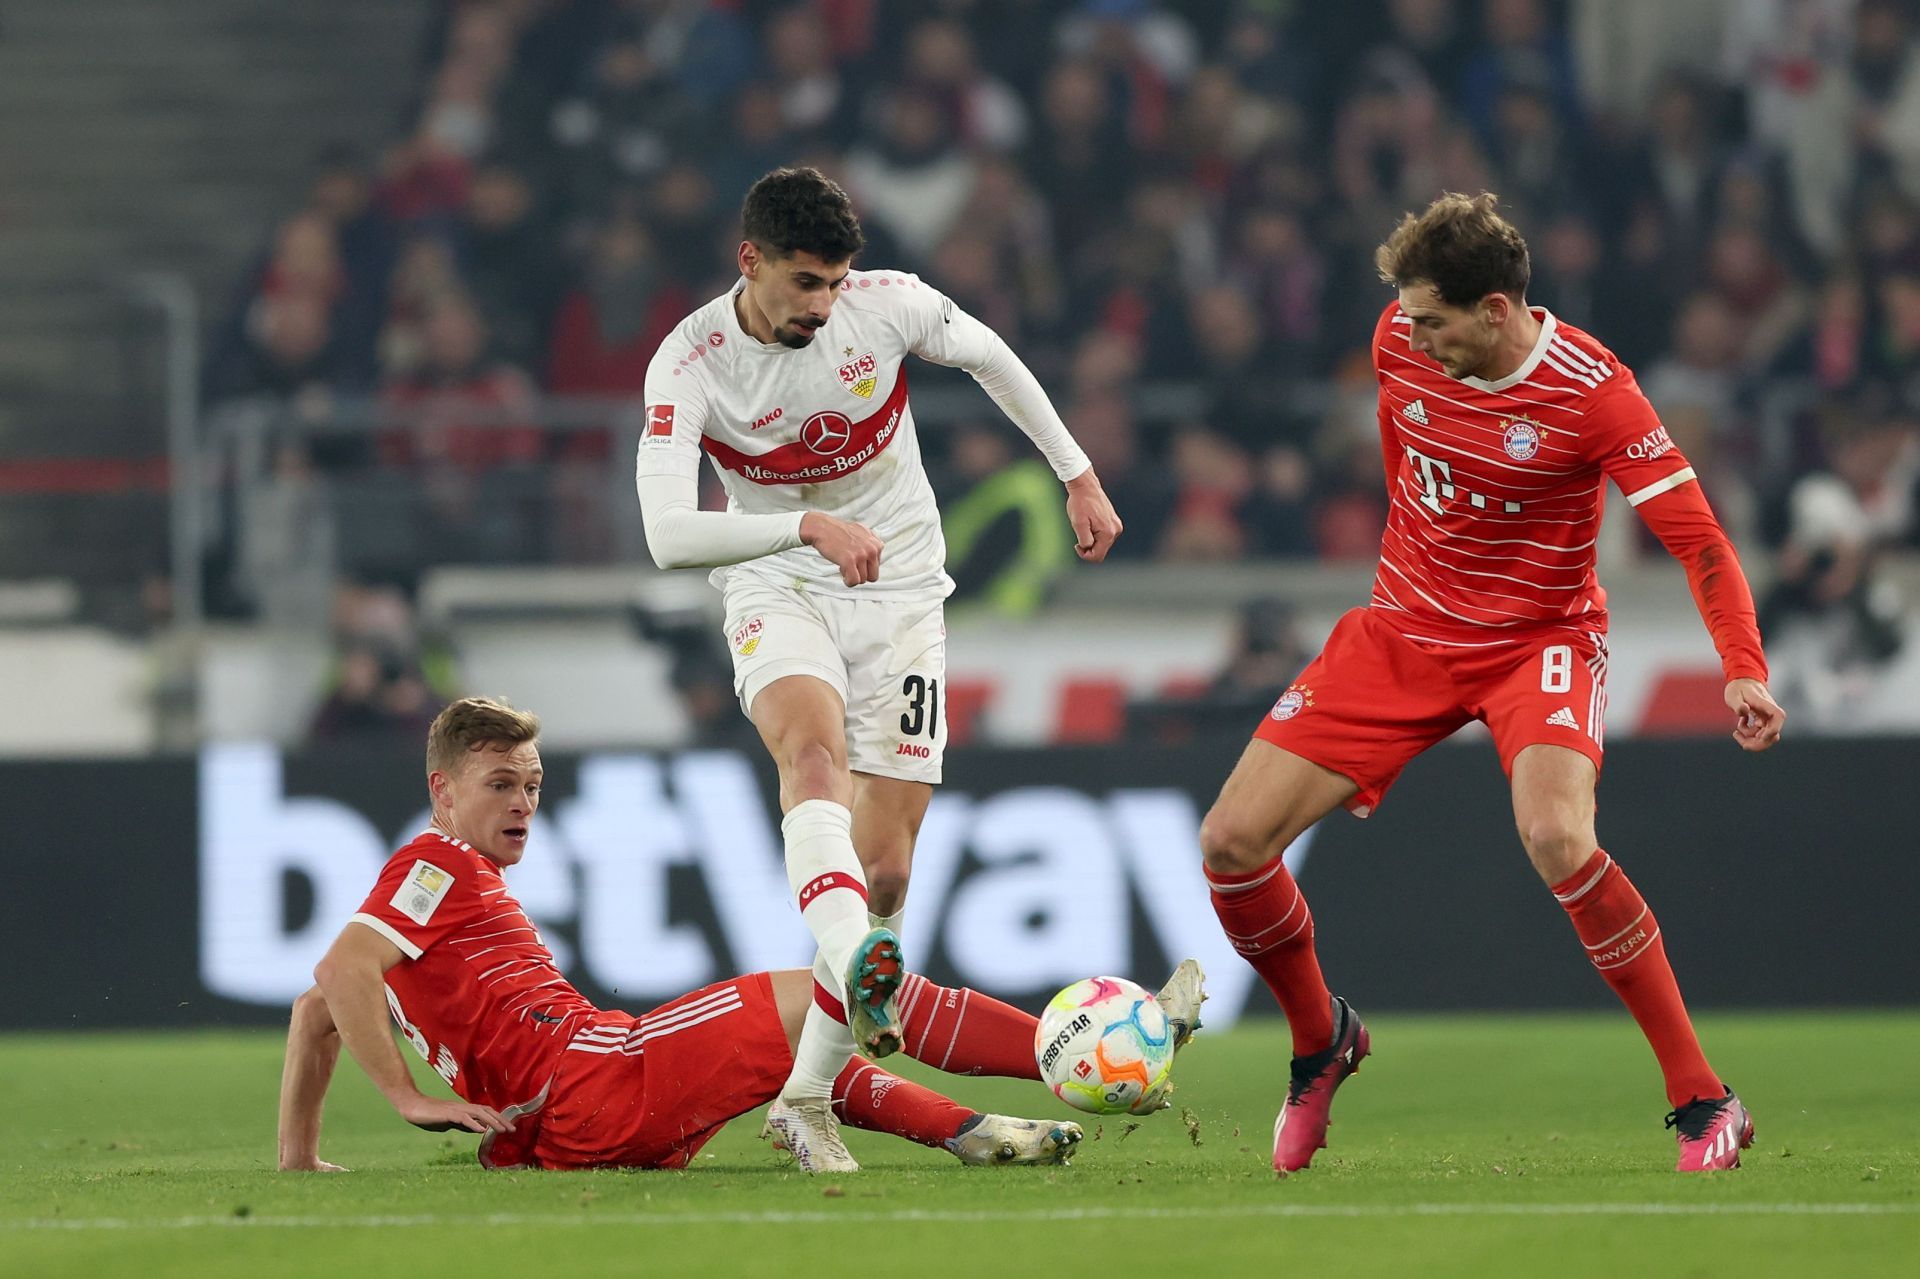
[[1168, 210]]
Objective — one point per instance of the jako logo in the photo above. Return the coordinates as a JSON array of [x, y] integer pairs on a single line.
[[917, 752], [765, 418]]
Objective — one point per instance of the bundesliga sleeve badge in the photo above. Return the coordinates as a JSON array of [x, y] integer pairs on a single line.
[[421, 893], [659, 426]]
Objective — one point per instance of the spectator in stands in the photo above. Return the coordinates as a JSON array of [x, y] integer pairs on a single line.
[[909, 175], [1278, 515], [507, 258], [1079, 158], [1746, 272], [1213, 475], [374, 695], [343, 194], [617, 315], [284, 352], [816, 100], [463, 407], [1829, 614], [942, 61]]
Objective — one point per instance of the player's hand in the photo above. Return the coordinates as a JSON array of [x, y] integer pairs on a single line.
[[312, 1163], [1095, 523], [1757, 717], [440, 1115], [853, 548]]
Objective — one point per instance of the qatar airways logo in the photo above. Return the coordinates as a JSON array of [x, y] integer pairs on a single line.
[[1655, 443]]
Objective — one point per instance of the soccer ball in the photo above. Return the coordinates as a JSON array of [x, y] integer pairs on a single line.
[[1104, 1046]]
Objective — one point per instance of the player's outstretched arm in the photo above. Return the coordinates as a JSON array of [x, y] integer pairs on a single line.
[[351, 976], [1096, 525], [313, 1047]]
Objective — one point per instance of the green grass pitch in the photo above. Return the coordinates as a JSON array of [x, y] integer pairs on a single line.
[[1479, 1146]]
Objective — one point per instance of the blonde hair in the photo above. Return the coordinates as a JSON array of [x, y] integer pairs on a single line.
[[1461, 246], [472, 722]]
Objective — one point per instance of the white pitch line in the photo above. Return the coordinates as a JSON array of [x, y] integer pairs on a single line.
[[955, 1216]]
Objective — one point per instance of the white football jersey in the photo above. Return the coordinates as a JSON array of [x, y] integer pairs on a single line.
[[825, 427]]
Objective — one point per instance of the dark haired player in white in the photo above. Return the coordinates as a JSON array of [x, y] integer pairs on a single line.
[[830, 556]]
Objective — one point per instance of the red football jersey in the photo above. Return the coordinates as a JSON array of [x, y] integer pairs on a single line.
[[478, 995], [1495, 489]]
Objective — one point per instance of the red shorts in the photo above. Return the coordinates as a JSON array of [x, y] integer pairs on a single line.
[[649, 1091], [1374, 699]]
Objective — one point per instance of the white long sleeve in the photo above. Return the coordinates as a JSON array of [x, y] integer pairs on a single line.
[[681, 535], [1020, 396]]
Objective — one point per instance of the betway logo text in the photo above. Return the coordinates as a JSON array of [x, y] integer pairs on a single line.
[[1020, 890]]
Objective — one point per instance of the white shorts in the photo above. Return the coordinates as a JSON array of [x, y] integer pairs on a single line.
[[886, 658]]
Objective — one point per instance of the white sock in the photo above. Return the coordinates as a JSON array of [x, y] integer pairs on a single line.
[[892, 921], [824, 1048], [824, 873]]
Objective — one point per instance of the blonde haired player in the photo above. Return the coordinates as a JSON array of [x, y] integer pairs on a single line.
[[549, 1080]]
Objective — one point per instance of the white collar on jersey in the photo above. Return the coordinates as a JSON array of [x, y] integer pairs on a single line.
[[1547, 326]]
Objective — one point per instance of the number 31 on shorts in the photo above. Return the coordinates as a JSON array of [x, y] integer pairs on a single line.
[[1556, 669], [923, 706]]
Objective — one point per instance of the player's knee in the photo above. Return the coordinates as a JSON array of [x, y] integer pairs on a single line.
[[1557, 846], [812, 772], [1230, 846]]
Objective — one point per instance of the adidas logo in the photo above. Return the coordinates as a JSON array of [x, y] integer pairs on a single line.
[[1563, 718], [1416, 412]]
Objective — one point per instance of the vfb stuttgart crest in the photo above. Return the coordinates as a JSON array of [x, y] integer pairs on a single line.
[[747, 637], [859, 376], [1292, 702], [1522, 438]]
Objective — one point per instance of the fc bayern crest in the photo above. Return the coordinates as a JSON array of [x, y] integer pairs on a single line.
[[1291, 703], [1522, 439]]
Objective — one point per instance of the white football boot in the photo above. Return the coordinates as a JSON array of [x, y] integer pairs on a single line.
[[808, 1130], [1180, 1000], [994, 1140]]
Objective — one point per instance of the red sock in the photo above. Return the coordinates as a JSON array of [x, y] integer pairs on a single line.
[[866, 1096], [1623, 941], [964, 1032], [1267, 920]]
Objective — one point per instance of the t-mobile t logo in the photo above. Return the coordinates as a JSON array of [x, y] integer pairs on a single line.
[[1436, 479]]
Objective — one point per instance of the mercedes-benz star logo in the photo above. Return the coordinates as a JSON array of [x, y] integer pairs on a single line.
[[826, 433]]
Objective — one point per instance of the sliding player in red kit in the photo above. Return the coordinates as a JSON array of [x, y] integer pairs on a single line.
[[1499, 427], [554, 1082]]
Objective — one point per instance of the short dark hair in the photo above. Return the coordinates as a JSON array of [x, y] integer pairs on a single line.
[[1461, 246], [801, 211]]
